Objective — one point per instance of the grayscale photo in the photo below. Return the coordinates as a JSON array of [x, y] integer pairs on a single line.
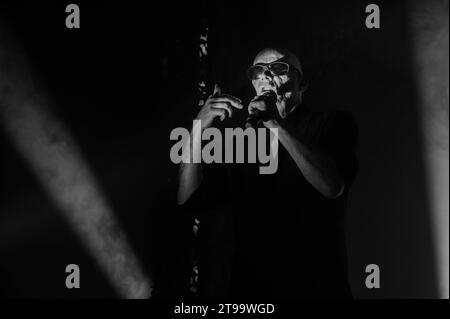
[[224, 159]]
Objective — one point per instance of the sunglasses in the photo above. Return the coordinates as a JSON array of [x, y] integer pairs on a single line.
[[276, 68]]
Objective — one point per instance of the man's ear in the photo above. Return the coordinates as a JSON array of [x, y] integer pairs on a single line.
[[303, 85]]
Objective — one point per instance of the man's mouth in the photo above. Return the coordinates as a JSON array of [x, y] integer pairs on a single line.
[[264, 91], [279, 97]]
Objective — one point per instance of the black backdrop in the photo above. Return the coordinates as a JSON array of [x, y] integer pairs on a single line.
[[128, 77]]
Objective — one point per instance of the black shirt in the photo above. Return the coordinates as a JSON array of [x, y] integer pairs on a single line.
[[283, 239]]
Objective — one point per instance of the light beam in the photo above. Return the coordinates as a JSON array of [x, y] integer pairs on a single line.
[[48, 148]]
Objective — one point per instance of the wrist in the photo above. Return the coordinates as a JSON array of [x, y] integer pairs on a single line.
[[274, 123], [271, 124], [205, 123]]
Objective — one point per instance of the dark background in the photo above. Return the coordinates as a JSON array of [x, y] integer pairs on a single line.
[[128, 77]]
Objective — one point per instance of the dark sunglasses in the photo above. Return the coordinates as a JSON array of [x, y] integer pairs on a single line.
[[276, 68]]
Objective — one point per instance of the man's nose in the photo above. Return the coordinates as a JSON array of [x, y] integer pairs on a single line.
[[266, 75]]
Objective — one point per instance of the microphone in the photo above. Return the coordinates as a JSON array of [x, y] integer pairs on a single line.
[[254, 119]]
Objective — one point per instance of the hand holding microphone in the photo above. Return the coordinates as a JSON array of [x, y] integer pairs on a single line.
[[259, 108]]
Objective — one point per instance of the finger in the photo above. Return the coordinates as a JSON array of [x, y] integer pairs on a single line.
[[260, 105], [224, 106], [217, 90], [217, 112], [223, 99], [252, 110], [231, 97]]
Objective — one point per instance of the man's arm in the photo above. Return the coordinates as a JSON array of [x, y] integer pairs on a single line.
[[217, 105], [319, 169], [190, 178]]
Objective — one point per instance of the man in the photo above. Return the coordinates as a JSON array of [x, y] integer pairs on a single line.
[[286, 227]]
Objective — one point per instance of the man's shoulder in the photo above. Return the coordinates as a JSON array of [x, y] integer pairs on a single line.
[[331, 116], [329, 125], [333, 119], [340, 125]]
